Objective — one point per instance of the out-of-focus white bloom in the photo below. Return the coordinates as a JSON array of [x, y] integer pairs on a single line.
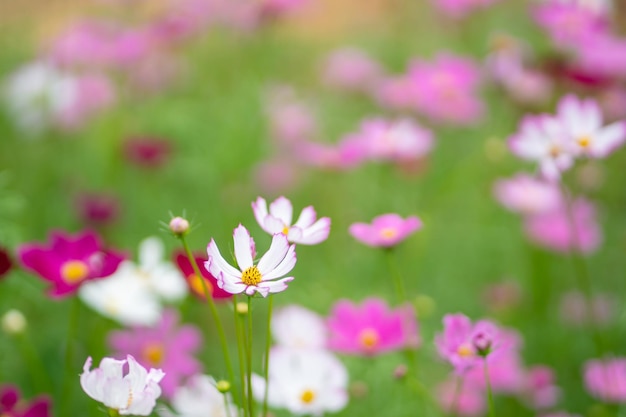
[[132, 394], [199, 397], [132, 295], [305, 382], [13, 322], [294, 326]]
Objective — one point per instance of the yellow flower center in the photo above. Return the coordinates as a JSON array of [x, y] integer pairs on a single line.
[[153, 353], [465, 350], [388, 232], [251, 276], [369, 338], [72, 272], [307, 396], [584, 141], [554, 151], [195, 282], [286, 230]]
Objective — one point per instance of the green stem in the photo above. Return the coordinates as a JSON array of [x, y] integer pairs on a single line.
[[268, 343], [68, 380], [240, 346], [34, 363], [249, 359], [395, 274], [492, 410], [212, 308], [113, 412]]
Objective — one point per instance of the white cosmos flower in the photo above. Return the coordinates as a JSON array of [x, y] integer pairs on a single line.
[[306, 230], [296, 327], [263, 277], [199, 397], [305, 382], [132, 394]]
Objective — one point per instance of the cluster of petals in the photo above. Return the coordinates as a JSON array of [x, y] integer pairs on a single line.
[[133, 295], [371, 328], [540, 389], [199, 397], [351, 69], [527, 195], [296, 327], [67, 261], [575, 131], [305, 382], [386, 230], [195, 283], [11, 405], [605, 379], [458, 9], [461, 399], [132, 393], [307, 230], [262, 278], [166, 346]]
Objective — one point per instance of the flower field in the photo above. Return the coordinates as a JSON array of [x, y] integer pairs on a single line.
[[237, 208]]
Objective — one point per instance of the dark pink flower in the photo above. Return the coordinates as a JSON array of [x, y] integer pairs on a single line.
[[605, 379], [97, 208], [194, 282], [371, 328], [68, 261], [386, 230], [12, 406], [5, 262], [165, 346], [146, 151]]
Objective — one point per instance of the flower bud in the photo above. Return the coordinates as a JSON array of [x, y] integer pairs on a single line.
[[482, 343], [400, 371], [179, 226], [223, 386], [13, 322], [242, 308]]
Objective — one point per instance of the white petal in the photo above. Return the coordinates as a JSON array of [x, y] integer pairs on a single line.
[[273, 225], [217, 263], [284, 267], [275, 254], [282, 209], [259, 208], [607, 139], [317, 233], [266, 287], [306, 218], [243, 248], [150, 252]]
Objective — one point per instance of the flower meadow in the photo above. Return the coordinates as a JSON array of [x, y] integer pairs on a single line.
[[219, 208]]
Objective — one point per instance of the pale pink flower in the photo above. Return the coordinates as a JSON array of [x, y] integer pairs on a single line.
[[461, 8], [525, 194], [460, 398], [371, 328], [291, 118], [603, 55], [276, 175], [296, 327], [263, 277], [613, 102], [307, 230], [346, 154], [93, 93], [543, 139], [567, 23], [386, 230], [305, 382], [446, 89], [554, 230], [605, 379], [133, 393], [582, 120], [351, 69], [393, 92], [540, 390], [574, 309], [503, 296]]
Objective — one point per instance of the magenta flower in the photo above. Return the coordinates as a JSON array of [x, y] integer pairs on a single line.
[[605, 379], [68, 261], [569, 23], [193, 281], [249, 278], [6, 264], [146, 151], [12, 406], [527, 195], [97, 208], [165, 346], [554, 230], [371, 328], [386, 230], [307, 230]]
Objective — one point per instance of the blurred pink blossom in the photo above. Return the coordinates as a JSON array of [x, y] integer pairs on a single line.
[[605, 379], [527, 195], [291, 118], [460, 398], [147, 151], [371, 328], [554, 230], [502, 296], [574, 308], [569, 24], [351, 69], [386, 230], [540, 390], [93, 94], [97, 208]]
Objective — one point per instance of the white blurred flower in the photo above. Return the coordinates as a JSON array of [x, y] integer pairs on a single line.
[[297, 327], [199, 397], [13, 322]]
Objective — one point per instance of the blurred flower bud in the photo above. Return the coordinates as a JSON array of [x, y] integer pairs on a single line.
[[482, 343], [13, 322], [223, 386], [400, 371], [179, 226], [242, 308]]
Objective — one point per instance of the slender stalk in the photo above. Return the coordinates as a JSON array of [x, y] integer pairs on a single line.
[[395, 275], [492, 410], [226, 405], [69, 357], [34, 363], [268, 342], [212, 308], [249, 360], [454, 405], [240, 348]]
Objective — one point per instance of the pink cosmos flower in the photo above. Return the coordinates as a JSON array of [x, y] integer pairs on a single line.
[[371, 328], [393, 93], [527, 195], [97, 208], [351, 69], [263, 277], [134, 393], [582, 119], [93, 93], [574, 309], [461, 400], [569, 23], [540, 390], [346, 154], [399, 140], [386, 230], [12, 406], [603, 55], [147, 151], [543, 139], [461, 8], [505, 367], [554, 230], [306, 230], [194, 282], [605, 379], [446, 89], [68, 261], [276, 175], [165, 346], [6, 264]]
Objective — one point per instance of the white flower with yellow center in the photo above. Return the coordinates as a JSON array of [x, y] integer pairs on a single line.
[[250, 278]]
